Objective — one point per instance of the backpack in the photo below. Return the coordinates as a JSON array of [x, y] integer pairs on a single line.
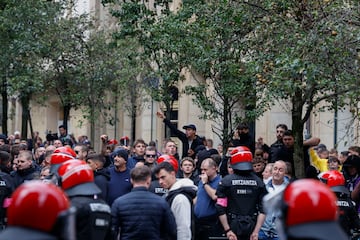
[[190, 195]]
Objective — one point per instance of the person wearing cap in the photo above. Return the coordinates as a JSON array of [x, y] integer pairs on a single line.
[[156, 218], [239, 198], [306, 209], [93, 215], [3, 139], [348, 216], [119, 183], [189, 139]]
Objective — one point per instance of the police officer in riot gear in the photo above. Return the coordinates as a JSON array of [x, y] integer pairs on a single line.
[[306, 209], [93, 215], [39, 211], [239, 202], [348, 216]]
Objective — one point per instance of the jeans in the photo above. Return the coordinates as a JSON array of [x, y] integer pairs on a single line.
[[262, 236]]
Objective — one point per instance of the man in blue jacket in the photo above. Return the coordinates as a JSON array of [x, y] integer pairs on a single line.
[[141, 214]]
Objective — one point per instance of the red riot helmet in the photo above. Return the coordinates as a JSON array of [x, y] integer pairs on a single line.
[[241, 158], [77, 178], [65, 150], [57, 158], [37, 205], [307, 210], [171, 159], [335, 180]]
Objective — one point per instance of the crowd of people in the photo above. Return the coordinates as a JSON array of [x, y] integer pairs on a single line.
[[138, 190]]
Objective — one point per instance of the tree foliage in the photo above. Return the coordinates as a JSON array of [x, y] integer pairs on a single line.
[[155, 35], [307, 53], [48, 49], [218, 51], [22, 36]]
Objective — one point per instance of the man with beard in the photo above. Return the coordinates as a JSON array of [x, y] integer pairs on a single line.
[[119, 183], [275, 147]]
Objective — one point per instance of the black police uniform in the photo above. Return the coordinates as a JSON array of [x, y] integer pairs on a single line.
[[348, 216], [93, 218], [6, 189], [244, 192], [157, 189]]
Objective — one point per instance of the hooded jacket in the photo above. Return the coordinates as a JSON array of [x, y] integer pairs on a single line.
[[180, 197], [101, 179]]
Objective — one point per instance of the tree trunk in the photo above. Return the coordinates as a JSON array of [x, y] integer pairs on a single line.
[[92, 126], [168, 116], [226, 130], [5, 103], [25, 116], [31, 130], [297, 129], [133, 122], [66, 116], [250, 107]]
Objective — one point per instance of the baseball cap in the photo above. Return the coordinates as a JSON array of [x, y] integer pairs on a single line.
[[192, 126]]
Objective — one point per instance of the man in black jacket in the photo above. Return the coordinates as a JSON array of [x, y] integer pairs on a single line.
[[141, 214], [277, 145], [189, 139], [101, 174], [26, 169]]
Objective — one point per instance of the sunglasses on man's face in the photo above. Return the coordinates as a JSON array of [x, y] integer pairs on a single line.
[[150, 156]]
